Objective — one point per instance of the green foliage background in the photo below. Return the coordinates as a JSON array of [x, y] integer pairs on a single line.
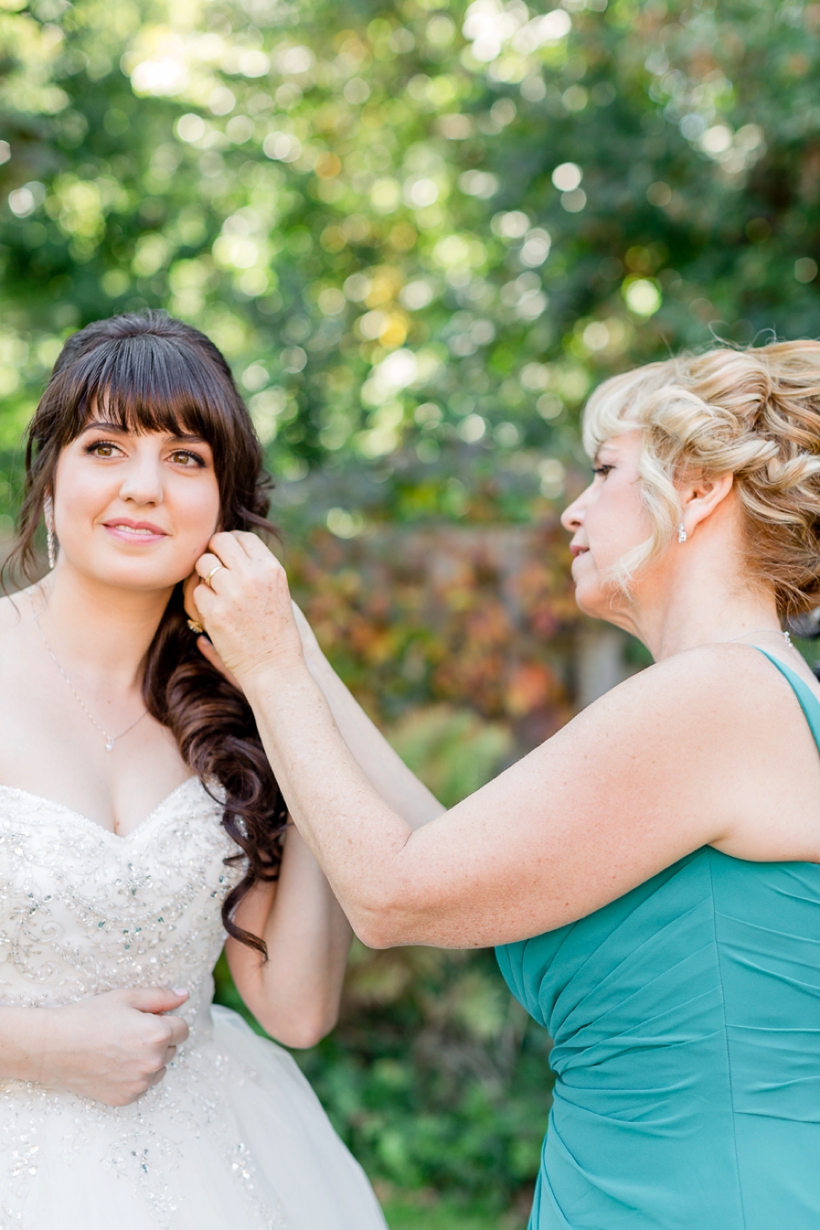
[[421, 231], [356, 200]]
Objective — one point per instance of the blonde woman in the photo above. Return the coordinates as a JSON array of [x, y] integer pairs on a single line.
[[663, 848]]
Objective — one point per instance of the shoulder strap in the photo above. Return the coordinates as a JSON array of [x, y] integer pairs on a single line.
[[808, 701]]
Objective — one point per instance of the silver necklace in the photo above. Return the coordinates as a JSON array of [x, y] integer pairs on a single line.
[[756, 632], [110, 740]]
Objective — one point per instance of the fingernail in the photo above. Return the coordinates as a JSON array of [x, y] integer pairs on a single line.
[[180, 990]]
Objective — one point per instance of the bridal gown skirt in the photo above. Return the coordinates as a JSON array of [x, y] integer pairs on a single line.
[[233, 1137]]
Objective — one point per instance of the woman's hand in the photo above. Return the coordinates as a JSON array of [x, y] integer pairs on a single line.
[[310, 646], [244, 603], [111, 1047]]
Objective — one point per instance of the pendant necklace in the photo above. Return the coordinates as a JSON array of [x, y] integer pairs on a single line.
[[110, 740]]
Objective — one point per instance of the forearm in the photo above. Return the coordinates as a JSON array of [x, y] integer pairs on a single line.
[[296, 993], [355, 835], [22, 1043], [383, 767]]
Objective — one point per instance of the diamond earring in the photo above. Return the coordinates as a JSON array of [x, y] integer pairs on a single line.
[[48, 512], [681, 532]]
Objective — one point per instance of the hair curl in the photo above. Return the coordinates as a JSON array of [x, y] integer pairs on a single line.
[[752, 412], [154, 373]]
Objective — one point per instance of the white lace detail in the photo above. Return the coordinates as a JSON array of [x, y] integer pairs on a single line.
[[83, 911]]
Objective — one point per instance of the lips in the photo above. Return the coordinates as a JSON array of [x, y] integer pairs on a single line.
[[576, 549], [137, 533], [134, 527]]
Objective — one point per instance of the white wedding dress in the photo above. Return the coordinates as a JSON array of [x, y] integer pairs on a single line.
[[233, 1138]]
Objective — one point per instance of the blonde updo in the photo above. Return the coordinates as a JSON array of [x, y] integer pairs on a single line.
[[754, 412]]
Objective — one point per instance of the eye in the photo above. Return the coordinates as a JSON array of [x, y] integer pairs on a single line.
[[602, 470], [102, 448], [185, 457]]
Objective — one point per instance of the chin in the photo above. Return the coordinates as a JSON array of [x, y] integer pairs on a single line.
[[594, 599], [138, 574], [589, 601]]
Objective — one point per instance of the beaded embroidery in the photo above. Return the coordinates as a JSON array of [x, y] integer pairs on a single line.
[[83, 911]]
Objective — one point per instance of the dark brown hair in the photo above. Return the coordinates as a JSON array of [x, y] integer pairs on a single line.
[[154, 373]]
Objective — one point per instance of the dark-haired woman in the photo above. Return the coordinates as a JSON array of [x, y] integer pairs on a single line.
[[139, 819]]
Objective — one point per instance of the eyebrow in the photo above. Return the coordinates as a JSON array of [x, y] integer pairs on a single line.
[[118, 429]]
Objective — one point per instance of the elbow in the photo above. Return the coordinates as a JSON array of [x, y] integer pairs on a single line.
[[381, 925], [305, 1035], [303, 1032], [391, 914]]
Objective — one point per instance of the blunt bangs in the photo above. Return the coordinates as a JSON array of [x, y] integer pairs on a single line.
[[148, 383], [147, 372]]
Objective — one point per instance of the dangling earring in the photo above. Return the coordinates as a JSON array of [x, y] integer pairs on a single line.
[[681, 533], [48, 512]]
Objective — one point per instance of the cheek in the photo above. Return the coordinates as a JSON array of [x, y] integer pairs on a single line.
[[617, 522], [196, 509], [80, 495]]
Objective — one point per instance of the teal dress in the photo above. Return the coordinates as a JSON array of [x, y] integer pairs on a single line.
[[686, 1025]]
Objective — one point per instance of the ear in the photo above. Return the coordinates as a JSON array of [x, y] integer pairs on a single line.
[[701, 497]]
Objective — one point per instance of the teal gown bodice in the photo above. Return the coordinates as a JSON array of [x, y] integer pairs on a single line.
[[685, 1018]]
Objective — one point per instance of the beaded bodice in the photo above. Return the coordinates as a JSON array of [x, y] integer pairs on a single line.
[[83, 911], [232, 1135]]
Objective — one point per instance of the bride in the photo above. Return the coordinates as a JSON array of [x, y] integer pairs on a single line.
[[140, 821]]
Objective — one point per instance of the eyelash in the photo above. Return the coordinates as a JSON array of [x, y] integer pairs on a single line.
[[178, 452], [603, 470], [184, 452]]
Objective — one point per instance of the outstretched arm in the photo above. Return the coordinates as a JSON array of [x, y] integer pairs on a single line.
[[381, 765], [596, 810], [296, 993]]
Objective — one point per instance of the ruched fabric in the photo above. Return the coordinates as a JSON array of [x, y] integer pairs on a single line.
[[686, 1024]]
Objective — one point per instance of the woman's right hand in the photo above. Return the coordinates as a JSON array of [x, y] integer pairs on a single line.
[[111, 1047]]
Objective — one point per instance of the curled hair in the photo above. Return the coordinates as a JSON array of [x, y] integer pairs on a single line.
[[154, 373], [754, 413]]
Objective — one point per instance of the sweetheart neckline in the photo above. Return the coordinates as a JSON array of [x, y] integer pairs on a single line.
[[99, 828]]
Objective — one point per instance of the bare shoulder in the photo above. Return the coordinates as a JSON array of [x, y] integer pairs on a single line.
[[15, 646], [12, 612], [716, 732], [695, 690], [709, 727]]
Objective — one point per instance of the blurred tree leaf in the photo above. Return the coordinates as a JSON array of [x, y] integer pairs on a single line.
[[452, 751], [420, 231]]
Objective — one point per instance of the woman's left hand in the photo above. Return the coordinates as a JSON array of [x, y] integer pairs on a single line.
[[244, 604]]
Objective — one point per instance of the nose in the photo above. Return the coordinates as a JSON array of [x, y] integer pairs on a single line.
[[142, 480], [572, 518]]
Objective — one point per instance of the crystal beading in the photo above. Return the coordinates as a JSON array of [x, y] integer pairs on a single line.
[[84, 911]]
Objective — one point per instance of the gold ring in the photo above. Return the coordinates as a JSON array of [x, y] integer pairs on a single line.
[[196, 626], [211, 573]]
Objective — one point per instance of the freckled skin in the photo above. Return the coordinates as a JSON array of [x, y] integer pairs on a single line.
[[703, 748]]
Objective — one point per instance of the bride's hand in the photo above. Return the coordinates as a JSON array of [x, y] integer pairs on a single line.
[[111, 1047], [244, 603]]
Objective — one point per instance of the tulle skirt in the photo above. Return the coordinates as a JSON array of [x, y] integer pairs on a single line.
[[233, 1138]]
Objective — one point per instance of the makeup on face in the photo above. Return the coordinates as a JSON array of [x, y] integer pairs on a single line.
[[126, 501]]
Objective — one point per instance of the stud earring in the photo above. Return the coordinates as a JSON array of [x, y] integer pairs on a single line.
[[681, 532], [48, 511]]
